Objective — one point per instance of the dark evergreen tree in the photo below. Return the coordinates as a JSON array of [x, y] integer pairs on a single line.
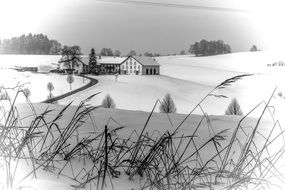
[[93, 62]]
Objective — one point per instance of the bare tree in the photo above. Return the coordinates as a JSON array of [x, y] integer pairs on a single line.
[[50, 96], [182, 52], [108, 102], [117, 53], [233, 108], [132, 53], [50, 88], [106, 52], [253, 48], [167, 105], [70, 80], [70, 57]]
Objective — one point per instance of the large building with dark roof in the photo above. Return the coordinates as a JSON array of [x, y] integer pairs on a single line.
[[131, 65]]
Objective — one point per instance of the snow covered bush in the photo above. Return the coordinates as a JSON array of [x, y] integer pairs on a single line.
[[4, 95], [108, 102], [233, 108], [70, 80], [27, 92], [167, 105], [50, 87]]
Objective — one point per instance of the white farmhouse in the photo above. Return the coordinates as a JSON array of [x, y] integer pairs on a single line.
[[140, 65], [80, 68], [131, 65]]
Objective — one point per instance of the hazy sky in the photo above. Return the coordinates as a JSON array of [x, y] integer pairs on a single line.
[[125, 25]]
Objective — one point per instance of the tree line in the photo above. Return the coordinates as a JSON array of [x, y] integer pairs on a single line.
[[205, 48], [30, 44], [109, 52], [40, 44]]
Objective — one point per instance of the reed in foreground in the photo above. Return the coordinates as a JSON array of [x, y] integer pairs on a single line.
[[246, 156]]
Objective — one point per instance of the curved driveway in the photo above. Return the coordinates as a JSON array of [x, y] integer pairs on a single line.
[[92, 82]]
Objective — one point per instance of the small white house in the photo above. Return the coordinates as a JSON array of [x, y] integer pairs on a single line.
[[79, 68]]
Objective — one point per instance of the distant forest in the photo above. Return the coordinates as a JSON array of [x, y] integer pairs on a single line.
[[205, 48], [30, 44]]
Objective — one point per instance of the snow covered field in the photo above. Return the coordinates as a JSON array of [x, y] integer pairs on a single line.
[[130, 120], [212, 70], [189, 79], [141, 92], [37, 83]]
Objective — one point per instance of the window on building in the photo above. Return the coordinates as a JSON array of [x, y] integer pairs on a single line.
[[130, 67], [122, 66]]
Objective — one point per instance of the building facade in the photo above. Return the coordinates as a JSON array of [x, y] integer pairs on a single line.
[[82, 67], [131, 65], [110, 65]]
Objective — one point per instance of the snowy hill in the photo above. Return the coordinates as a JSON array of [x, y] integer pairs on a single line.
[[188, 79]]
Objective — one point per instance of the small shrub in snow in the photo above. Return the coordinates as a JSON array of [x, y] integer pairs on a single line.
[[167, 105], [108, 102], [70, 80], [50, 87], [27, 92], [233, 108], [4, 96]]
